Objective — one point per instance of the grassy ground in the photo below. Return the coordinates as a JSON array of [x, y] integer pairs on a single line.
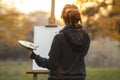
[[103, 74], [16, 70]]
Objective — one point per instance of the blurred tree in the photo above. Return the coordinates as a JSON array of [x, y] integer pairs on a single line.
[[101, 17], [110, 25], [13, 24], [114, 17]]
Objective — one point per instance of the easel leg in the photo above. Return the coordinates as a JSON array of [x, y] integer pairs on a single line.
[[35, 76]]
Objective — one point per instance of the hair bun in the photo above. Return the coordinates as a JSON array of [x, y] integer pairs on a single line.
[[71, 14]]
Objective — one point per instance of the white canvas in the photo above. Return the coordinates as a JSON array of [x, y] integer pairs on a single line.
[[43, 36]]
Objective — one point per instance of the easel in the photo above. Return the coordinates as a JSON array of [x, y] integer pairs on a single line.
[[51, 23], [36, 72]]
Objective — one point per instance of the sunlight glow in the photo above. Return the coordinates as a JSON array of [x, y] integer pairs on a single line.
[[27, 6]]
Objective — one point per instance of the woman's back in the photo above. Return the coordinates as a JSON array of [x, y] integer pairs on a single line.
[[74, 46]]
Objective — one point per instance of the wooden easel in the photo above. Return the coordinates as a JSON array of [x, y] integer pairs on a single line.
[[51, 23], [36, 72]]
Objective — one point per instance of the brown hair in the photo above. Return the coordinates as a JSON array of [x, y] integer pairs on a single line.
[[71, 15]]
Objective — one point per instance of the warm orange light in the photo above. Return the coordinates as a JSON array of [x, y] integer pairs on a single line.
[[28, 6]]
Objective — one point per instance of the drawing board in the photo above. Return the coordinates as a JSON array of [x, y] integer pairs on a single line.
[[43, 36]]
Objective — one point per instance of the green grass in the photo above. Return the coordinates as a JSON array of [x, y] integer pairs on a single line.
[[103, 74], [16, 70], [13, 70]]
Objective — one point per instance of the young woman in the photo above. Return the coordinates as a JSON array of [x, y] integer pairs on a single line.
[[69, 47]]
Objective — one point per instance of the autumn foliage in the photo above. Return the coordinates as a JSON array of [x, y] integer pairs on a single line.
[[101, 19]]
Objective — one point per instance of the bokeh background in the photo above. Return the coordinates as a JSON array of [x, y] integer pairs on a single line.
[[101, 19]]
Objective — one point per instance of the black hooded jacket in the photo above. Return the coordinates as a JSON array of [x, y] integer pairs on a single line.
[[66, 56]]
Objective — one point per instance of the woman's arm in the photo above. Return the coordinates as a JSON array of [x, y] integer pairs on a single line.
[[54, 55]]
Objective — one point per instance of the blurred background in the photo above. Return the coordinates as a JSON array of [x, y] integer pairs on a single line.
[[101, 19]]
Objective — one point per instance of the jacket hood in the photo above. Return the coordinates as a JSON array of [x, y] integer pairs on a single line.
[[75, 36]]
